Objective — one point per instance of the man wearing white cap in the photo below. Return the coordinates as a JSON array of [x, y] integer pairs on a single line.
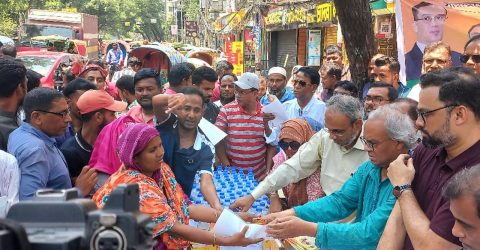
[[242, 120], [277, 82]]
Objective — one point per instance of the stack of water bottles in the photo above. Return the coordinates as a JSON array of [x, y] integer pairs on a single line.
[[232, 183]]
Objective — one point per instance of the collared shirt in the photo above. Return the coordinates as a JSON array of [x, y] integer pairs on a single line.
[[8, 123], [136, 113], [365, 192], [337, 165], [124, 72], [245, 142], [41, 163], [9, 182], [421, 46], [315, 110], [114, 56], [326, 94], [77, 153], [432, 173], [402, 90], [287, 96], [186, 162]]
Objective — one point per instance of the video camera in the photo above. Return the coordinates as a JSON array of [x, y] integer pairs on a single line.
[[60, 220]]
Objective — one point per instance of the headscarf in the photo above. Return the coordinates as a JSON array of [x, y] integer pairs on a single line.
[[133, 141], [92, 67], [296, 129]]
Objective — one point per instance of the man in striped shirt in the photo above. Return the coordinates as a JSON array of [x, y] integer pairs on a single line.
[[242, 120]]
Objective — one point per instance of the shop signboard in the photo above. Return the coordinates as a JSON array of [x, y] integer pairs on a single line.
[[237, 58]]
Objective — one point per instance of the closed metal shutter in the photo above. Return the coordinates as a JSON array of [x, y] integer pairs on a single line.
[[284, 43]]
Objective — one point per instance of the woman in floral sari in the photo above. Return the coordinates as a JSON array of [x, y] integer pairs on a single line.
[[141, 152]]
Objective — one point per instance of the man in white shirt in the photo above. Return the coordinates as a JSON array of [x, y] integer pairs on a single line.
[[335, 149]]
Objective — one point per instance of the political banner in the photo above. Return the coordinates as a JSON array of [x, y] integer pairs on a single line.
[[420, 23]]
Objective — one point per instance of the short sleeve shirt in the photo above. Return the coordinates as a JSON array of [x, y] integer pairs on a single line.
[[433, 172], [77, 153], [186, 162]]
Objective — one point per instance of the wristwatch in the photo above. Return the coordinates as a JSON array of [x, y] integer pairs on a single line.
[[398, 190]]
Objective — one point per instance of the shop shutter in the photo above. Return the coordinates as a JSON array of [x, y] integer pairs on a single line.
[[287, 45], [330, 37]]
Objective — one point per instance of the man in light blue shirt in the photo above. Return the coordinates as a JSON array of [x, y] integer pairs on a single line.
[[277, 86], [114, 55], [41, 163], [387, 134], [305, 104]]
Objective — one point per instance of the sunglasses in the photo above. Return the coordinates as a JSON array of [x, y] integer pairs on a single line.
[[465, 58], [294, 145], [301, 82]]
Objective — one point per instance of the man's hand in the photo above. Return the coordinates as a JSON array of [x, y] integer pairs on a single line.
[[86, 180], [401, 170], [176, 102], [268, 117], [273, 216], [244, 203], [247, 216], [291, 226]]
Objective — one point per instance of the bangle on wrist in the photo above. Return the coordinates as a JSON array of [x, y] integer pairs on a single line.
[[214, 239]]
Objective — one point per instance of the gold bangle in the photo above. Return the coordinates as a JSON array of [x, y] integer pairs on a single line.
[[216, 214], [214, 239]]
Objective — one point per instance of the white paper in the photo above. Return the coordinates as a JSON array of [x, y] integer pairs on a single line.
[[276, 108], [212, 132], [229, 224]]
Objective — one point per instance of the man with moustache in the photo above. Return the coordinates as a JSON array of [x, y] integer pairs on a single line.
[[147, 85], [187, 150], [449, 119], [387, 134], [41, 163], [227, 95]]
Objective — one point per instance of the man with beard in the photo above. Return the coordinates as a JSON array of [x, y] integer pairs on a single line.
[[13, 87], [277, 86], [449, 119], [227, 86], [96, 109], [387, 134], [204, 78], [336, 149], [379, 94], [187, 151], [147, 85]]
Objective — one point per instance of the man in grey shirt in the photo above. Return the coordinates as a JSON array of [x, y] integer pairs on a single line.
[[13, 86]]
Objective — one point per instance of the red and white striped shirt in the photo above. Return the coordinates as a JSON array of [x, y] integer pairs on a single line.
[[245, 142]]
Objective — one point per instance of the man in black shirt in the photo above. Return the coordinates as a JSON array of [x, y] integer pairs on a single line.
[[96, 109], [204, 78]]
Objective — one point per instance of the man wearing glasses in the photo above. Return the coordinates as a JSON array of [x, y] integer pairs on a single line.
[[379, 94], [428, 24], [449, 119], [335, 149], [41, 162], [242, 121], [471, 56]]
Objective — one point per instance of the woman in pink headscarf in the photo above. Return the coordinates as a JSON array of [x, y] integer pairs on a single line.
[[293, 134], [141, 152]]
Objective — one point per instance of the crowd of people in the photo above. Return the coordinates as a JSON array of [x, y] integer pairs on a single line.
[[384, 167]]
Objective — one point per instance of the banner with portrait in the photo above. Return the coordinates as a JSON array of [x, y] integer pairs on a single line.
[[420, 23]]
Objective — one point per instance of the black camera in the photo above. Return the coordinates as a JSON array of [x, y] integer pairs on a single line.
[[60, 220]]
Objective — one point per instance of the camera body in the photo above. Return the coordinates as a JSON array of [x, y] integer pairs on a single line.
[[60, 220]]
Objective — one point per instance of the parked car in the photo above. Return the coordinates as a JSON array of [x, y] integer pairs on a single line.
[[48, 64]]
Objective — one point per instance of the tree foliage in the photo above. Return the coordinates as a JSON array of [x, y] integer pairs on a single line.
[[117, 18]]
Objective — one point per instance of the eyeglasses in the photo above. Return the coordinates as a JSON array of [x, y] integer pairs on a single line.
[[243, 91], [371, 145], [301, 82], [437, 18], [336, 132], [294, 145], [374, 99], [423, 114], [62, 114], [465, 58]]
